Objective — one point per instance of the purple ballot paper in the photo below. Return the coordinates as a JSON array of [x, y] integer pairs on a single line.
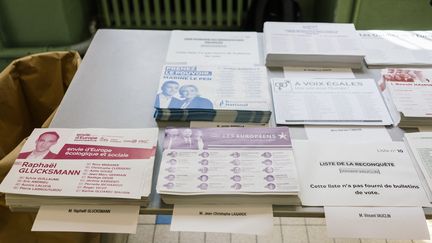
[[230, 138], [227, 161]]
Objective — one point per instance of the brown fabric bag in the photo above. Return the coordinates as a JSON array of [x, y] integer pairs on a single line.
[[30, 90]]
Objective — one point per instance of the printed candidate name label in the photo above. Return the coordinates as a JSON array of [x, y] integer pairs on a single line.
[[399, 223], [87, 218], [231, 218]]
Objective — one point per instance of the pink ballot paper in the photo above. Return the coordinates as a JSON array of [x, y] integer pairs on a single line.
[[112, 163]]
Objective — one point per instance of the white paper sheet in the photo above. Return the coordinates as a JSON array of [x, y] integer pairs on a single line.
[[236, 218], [210, 47], [363, 174], [316, 72], [328, 102], [205, 124], [354, 134], [87, 218], [398, 223]]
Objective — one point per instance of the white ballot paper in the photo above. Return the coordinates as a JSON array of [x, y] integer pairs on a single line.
[[317, 72], [103, 163], [87, 218], [420, 145], [205, 124], [328, 102], [352, 134], [411, 90], [397, 48], [226, 218], [363, 174], [396, 223], [312, 44], [211, 48]]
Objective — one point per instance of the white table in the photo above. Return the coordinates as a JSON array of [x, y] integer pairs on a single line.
[[115, 87]]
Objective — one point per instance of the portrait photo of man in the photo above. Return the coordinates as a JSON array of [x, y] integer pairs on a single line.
[[172, 153], [171, 169], [42, 147], [203, 162], [270, 186], [166, 99], [266, 155], [203, 186], [268, 170], [236, 186], [170, 177], [171, 138], [235, 154], [203, 169], [172, 161], [204, 154], [186, 140], [267, 162], [203, 178], [236, 170], [269, 178], [235, 162], [169, 185]]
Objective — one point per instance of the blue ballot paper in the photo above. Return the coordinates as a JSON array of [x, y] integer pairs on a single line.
[[213, 93]]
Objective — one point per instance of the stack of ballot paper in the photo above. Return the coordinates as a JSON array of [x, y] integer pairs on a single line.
[[213, 93], [228, 165], [312, 44], [420, 147], [59, 166], [411, 94], [328, 101], [397, 48]]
